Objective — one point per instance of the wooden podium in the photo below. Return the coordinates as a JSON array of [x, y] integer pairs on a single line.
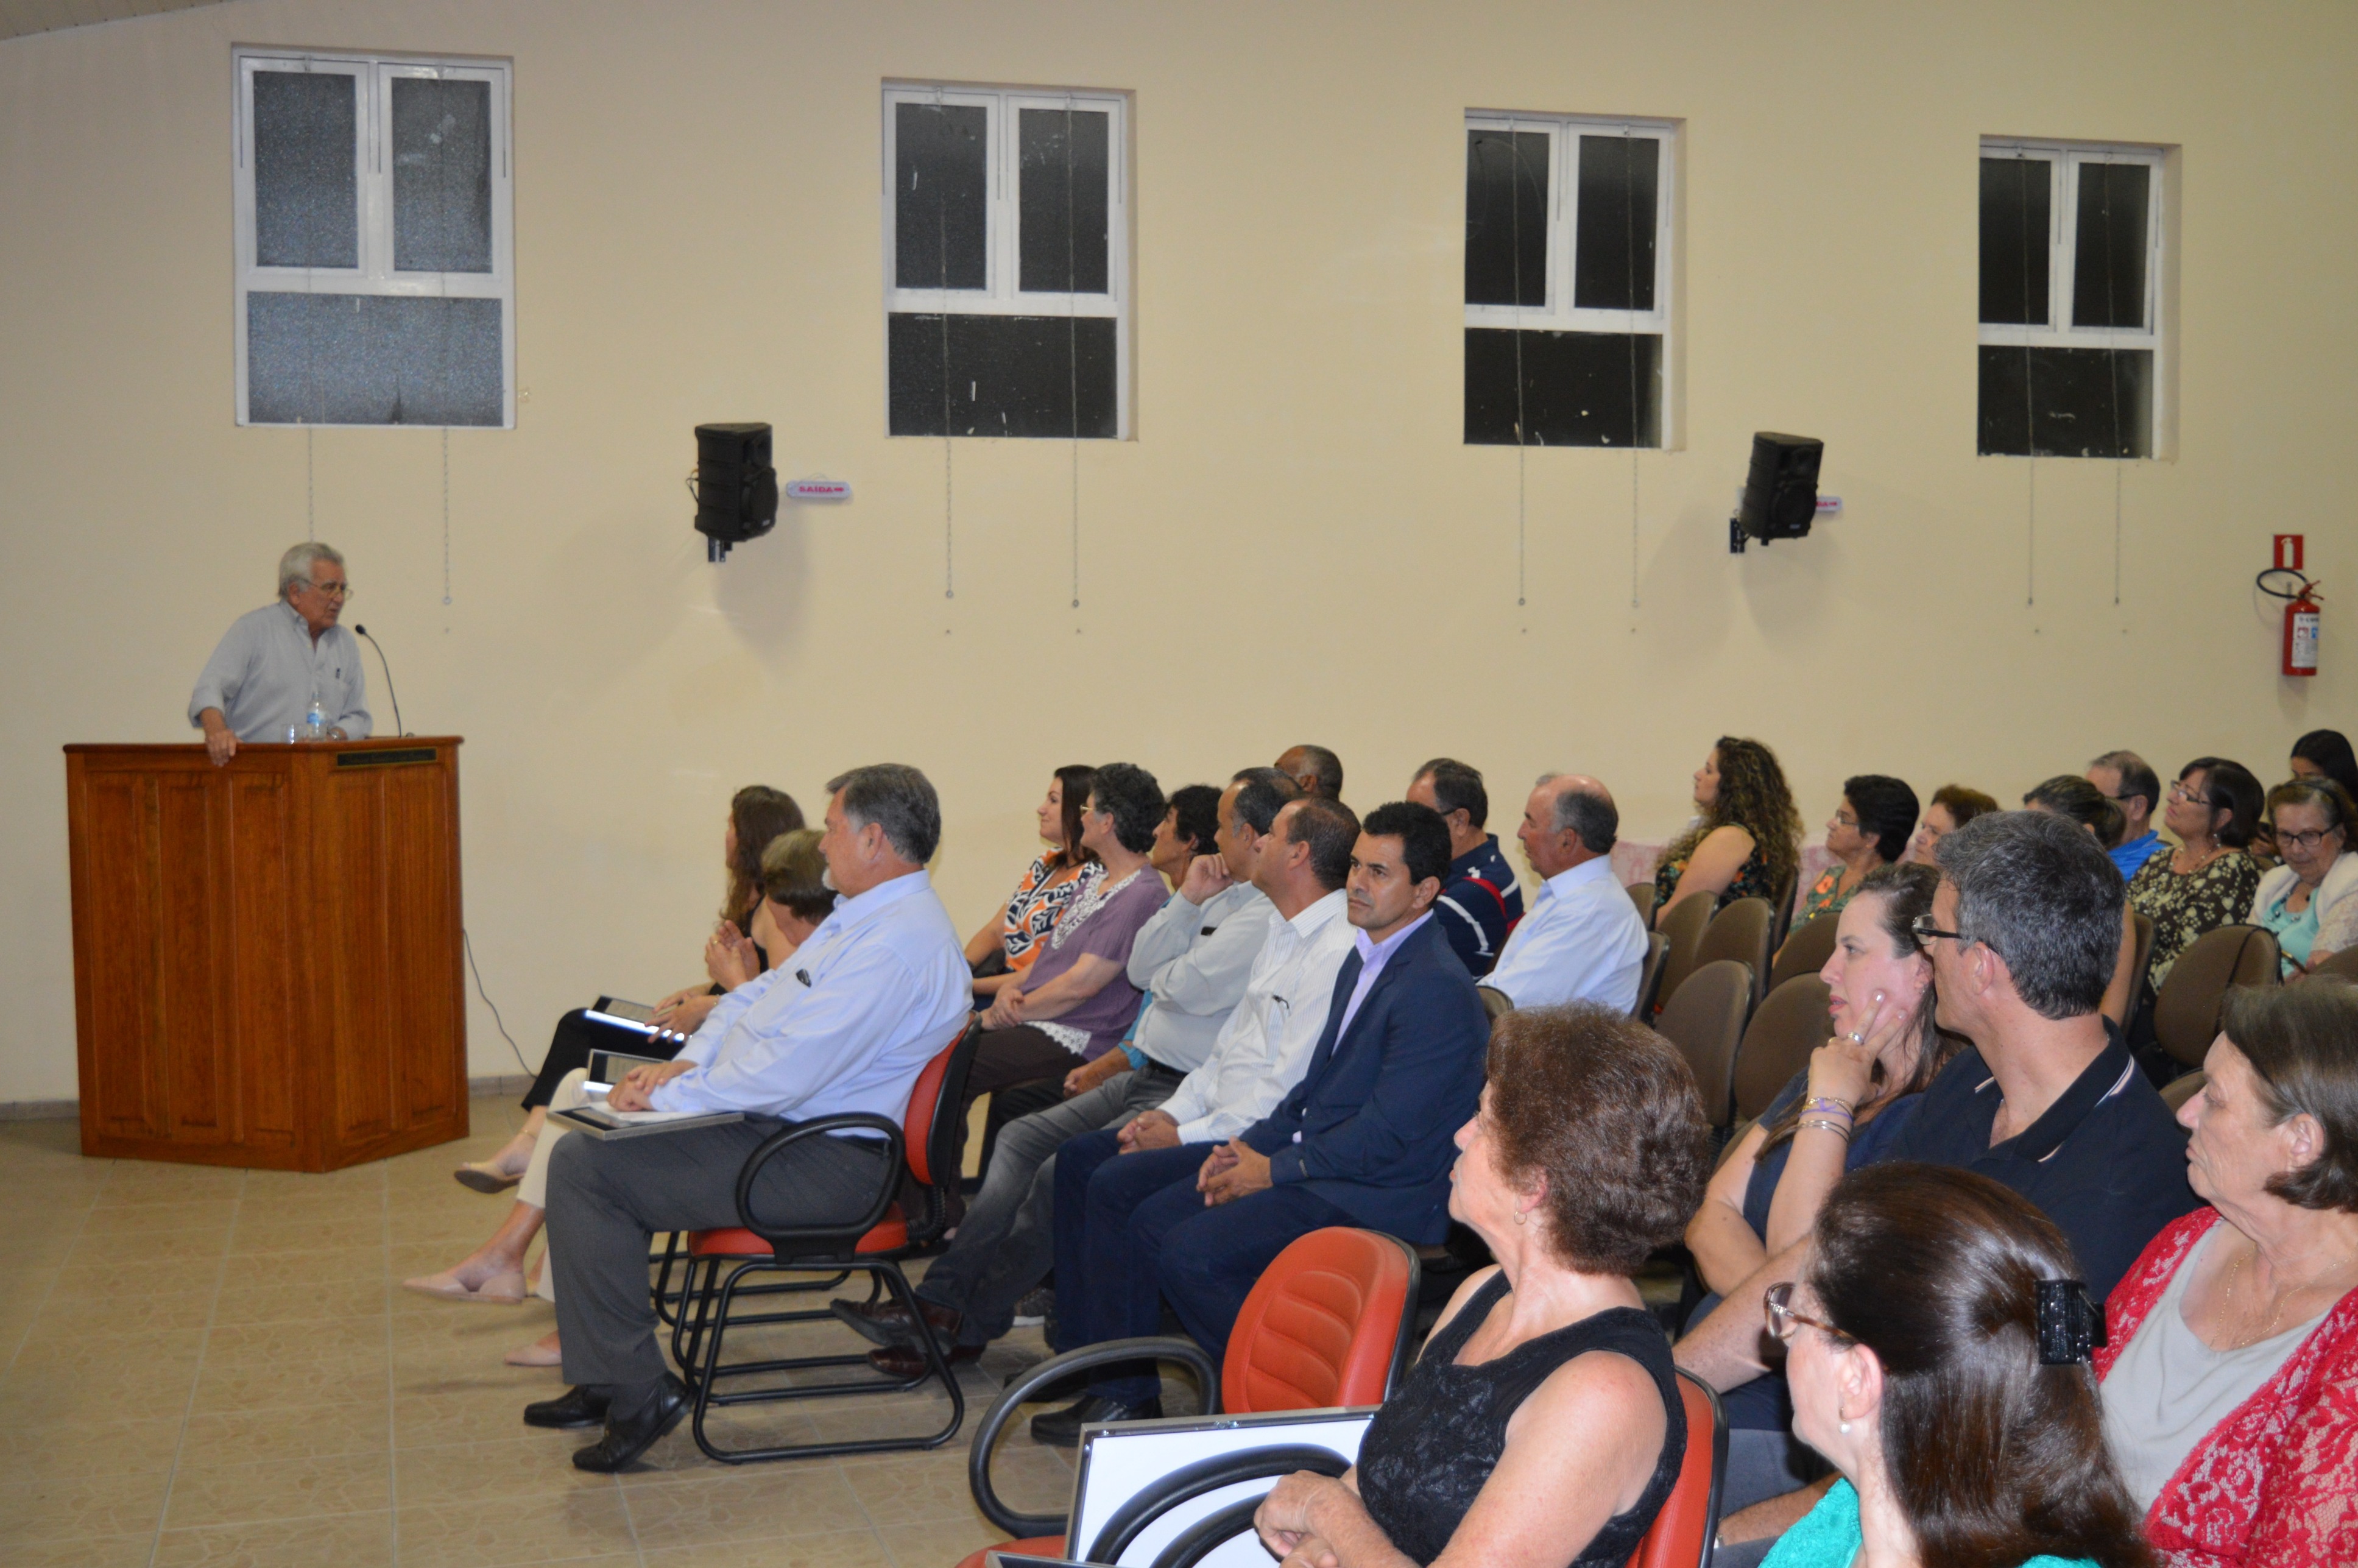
[[266, 956]]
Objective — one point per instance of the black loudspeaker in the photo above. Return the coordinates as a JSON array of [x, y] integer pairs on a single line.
[[736, 488], [1780, 494]]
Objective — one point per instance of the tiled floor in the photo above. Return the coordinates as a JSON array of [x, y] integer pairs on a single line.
[[210, 1367]]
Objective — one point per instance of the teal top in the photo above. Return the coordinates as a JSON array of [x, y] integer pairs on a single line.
[[2295, 933], [1827, 1537]]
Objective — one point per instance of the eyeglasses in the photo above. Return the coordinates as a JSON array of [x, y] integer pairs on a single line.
[[1777, 1306], [1925, 930], [1844, 820], [2304, 841], [332, 589], [2180, 793]]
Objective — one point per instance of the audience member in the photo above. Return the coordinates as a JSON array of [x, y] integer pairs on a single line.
[[2230, 1369], [1193, 960], [2023, 935], [1870, 828], [757, 815], [2129, 782], [1543, 1422], [1314, 769], [1583, 940], [796, 898], [2307, 900], [2079, 801], [1929, 1366], [1480, 901], [1010, 940], [2325, 753], [2208, 881], [1951, 808], [1362, 1140], [875, 994], [1745, 842], [1836, 1115], [1190, 829]]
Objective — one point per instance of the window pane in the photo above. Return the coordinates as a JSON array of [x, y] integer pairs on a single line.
[[1062, 193], [2015, 235], [306, 195], [939, 188], [1613, 266], [2067, 402], [1579, 389], [2108, 267], [1506, 217], [1003, 375], [371, 358], [441, 175]]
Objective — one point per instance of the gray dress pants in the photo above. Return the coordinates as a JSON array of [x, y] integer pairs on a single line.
[[608, 1199], [1007, 1242]]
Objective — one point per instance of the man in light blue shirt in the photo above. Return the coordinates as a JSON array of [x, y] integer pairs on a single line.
[[2129, 782], [1581, 940], [846, 1025], [273, 661]]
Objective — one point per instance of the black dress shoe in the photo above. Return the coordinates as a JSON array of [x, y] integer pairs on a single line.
[[578, 1408], [887, 1323], [626, 1440], [907, 1361], [1062, 1429]]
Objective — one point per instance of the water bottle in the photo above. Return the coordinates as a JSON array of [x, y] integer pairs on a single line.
[[315, 721]]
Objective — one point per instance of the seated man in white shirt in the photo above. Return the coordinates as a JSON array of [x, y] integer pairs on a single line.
[[875, 993], [1581, 940], [1193, 959]]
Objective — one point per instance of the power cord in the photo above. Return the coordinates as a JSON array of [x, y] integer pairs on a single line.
[[469, 942]]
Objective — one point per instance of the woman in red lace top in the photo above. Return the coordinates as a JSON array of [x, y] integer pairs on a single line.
[[2231, 1378]]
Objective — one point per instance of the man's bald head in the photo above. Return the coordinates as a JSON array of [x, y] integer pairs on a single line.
[[1569, 819]]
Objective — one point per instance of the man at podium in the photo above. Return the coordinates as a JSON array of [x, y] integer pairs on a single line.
[[260, 681]]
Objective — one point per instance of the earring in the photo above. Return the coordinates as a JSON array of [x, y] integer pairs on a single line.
[[1522, 1215], [1845, 1428]]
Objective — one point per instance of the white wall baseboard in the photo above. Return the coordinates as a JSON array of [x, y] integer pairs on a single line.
[[70, 1109]]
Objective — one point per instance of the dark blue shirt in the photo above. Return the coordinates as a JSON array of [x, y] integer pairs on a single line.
[[1479, 903]]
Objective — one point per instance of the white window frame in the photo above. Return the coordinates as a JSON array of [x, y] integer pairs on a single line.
[[2065, 159], [1002, 216], [372, 128]]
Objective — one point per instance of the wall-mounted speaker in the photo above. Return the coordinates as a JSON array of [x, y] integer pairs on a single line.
[[1780, 493], [736, 488]]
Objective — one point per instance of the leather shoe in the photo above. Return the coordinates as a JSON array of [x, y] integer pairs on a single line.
[[626, 1440], [886, 1323], [577, 1407], [906, 1361], [1062, 1429]]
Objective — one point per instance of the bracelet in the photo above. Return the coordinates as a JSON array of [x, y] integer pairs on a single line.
[[1830, 1106], [1827, 1124]]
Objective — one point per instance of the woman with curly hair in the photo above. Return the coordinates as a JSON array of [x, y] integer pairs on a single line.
[[1745, 842]]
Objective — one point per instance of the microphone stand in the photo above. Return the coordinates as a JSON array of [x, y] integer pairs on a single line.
[[389, 692]]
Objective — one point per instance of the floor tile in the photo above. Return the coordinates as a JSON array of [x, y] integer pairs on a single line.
[[241, 1300], [345, 1540], [55, 1452], [268, 1384], [158, 1246], [80, 1552], [472, 1471], [132, 1182], [254, 1435], [281, 1488], [830, 1548], [126, 1222], [773, 1500], [939, 1543], [236, 1344], [35, 1512], [505, 1530]]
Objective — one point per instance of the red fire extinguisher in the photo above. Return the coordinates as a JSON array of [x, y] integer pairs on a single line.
[[2302, 616]]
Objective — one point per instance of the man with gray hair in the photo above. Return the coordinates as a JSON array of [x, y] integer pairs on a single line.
[[262, 679], [847, 1025], [2129, 782], [1581, 940]]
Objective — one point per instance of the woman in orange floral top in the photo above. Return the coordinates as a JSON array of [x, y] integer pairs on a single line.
[[1007, 942]]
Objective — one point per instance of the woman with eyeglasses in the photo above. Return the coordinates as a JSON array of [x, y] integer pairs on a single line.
[[2231, 1369], [1870, 828], [2209, 880], [2307, 900], [1937, 1348], [1951, 808]]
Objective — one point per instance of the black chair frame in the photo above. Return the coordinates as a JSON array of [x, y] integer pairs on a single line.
[[1058, 1369]]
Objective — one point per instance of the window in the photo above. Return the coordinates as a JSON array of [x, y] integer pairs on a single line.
[[1568, 234], [2070, 289], [1007, 263], [375, 270]]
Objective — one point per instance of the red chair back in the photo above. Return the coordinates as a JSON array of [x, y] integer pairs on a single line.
[[929, 1127], [1682, 1531], [1325, 1324]]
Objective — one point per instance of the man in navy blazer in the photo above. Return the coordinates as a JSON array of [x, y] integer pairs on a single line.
[[1365, 1138]]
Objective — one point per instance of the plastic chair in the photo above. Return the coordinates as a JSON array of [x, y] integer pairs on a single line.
[[1494, 1002], [2141, 959], [1650, 977], [2343, 965], [1642, 895], [1326, 1324], [1684, 925], [1742, 931], [1788, 892], [875, 1245], [1682, 1533], [1705, 1021], [2179, 1090], [1777, 1044], [1804, 952], [2186, 1010]]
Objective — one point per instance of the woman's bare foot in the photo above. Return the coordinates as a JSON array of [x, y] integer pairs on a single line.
[[541, 1352]]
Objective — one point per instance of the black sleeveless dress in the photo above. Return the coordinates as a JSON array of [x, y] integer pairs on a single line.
[[1432, 1447]]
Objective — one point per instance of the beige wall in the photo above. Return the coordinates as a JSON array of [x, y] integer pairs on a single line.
[[1296, 546]]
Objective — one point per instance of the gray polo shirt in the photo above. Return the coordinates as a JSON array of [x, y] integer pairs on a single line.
[[263, 674]]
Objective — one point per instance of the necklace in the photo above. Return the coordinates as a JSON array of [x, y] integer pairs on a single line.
[[2227, 1297]]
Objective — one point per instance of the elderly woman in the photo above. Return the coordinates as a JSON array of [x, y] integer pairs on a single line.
[[1006, 943], [2308, 901], [2230, 1371], [2208, 881], [1543, 1423], [1870, 828], [1744, 842], [1926, 1364], [1951, 808]]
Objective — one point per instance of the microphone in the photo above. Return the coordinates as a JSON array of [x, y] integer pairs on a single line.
[[389, 692]]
